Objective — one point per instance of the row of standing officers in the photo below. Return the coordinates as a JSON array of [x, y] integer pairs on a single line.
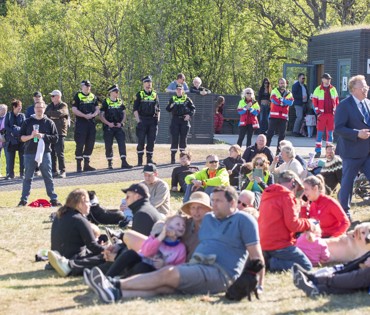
[[113, 115]]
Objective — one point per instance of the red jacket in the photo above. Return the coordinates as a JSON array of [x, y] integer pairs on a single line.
[[333, 220], [278, 220]]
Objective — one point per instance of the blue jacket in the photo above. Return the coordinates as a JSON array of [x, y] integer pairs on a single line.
[[297, 93]]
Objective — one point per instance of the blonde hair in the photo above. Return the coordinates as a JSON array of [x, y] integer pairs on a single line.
[[236, 148], [353, 81], [318, 181]]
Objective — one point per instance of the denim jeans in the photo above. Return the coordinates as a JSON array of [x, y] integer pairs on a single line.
[[45, 168], [189, 191], [283, 259], [10, 160]]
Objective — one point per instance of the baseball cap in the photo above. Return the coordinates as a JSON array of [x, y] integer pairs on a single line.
[[139, 188], [287, 176], [150, 168], [326, 76], [37, 94], [56, 92], [86, 82]]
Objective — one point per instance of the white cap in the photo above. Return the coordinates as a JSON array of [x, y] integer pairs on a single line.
[[56, 92]]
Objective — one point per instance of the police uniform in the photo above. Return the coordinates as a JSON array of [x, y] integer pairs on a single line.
[[179, 128], [85, 129], [114, 112], [147, 106]]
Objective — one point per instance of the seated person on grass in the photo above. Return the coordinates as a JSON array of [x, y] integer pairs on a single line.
[[179, 173], [227, 237], [208, 178]]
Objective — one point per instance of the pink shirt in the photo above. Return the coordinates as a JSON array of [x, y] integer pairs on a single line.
[[316, 251], [172, 255]]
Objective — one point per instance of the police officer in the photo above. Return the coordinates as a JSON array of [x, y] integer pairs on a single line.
[[85, 107], [113, 116], [182, 109], [147, 114]]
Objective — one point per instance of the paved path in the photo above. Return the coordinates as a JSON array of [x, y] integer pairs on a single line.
[[101, 176]]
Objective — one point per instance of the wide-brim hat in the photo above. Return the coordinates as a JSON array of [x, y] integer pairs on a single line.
[[197, 197]]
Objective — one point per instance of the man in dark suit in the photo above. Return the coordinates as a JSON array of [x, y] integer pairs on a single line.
[[300, 94], [352, 124]]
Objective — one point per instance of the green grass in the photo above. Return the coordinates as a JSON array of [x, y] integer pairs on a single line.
[[26, 288]]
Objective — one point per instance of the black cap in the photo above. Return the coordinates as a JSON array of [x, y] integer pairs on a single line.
[[178, 85], [139, 188], [37, 94], [326, 76], [150, 168], [86, 82], [113, 88], [148, 78]]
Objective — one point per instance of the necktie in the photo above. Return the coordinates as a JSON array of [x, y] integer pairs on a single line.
[[364, 111]]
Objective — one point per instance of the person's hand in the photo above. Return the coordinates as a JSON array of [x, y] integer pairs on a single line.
[[123, 207], [367, 262], [258, 179], [118, 125], [109, 255], [158, 263], [229, 172], [363, 134], [35, 133], [203, 92], [111, 125], [276, 159], [187, 117], [197, 183]]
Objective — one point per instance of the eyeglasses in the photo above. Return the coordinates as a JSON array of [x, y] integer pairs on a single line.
[[212, 162], [242, 203]]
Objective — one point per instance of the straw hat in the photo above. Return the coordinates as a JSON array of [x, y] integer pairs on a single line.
[[197, 197]]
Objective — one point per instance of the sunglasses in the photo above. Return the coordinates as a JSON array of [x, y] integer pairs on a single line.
[[260, 164], [242, 203], [212, 162], [52, 96], [248, 93]]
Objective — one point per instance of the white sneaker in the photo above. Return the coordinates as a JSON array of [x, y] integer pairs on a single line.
[[59, 263]]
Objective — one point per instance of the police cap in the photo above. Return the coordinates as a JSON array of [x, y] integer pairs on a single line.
[[178, 85], [148, 78], [113, 88], [86, 82]]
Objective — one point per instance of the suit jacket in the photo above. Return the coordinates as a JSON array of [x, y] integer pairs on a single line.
[[348, 121], [297, 93]]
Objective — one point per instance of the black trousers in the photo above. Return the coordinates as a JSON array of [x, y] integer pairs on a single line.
[[10, 158], [57, 154], [179, 129], [78, 264], [248, 129], [276, 125], [85, 133], [128, 263], [146, 129], [109, 135]]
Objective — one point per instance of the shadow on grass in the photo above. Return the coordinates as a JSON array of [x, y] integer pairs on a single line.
[[38, 274], [336, 303]]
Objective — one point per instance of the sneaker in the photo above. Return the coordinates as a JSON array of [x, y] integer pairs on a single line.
[[55, 203], [301, 282], [9, 177], [37, 174], [59, 263], [106, 291], [22, 203], [62, 175], [310, 276], [86, 275], [55, 174]]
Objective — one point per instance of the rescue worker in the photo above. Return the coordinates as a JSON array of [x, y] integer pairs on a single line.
[[182, 109], [324, 100], [113, 116], [85, 107], [147, 114]]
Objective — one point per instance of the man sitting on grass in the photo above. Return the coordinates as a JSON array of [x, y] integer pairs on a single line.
[[226, 238]]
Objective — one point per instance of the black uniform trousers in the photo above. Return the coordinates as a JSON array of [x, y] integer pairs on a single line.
[[109, 135], [279, 125], [85, 133], [179, 129], [57, 154], [243, 130], [146, 129]]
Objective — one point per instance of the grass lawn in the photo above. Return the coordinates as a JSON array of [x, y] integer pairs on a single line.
[[26, 288]]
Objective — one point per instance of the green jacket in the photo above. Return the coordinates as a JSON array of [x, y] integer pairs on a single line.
[[221, 178]]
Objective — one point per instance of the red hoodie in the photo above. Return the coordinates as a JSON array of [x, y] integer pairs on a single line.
[[279, 218]]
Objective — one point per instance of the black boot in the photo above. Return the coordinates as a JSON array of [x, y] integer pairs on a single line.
[[79, 166], [173, 157], [125, 164], [140, 160], [87, 167], [149, 159], [110, 164]]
